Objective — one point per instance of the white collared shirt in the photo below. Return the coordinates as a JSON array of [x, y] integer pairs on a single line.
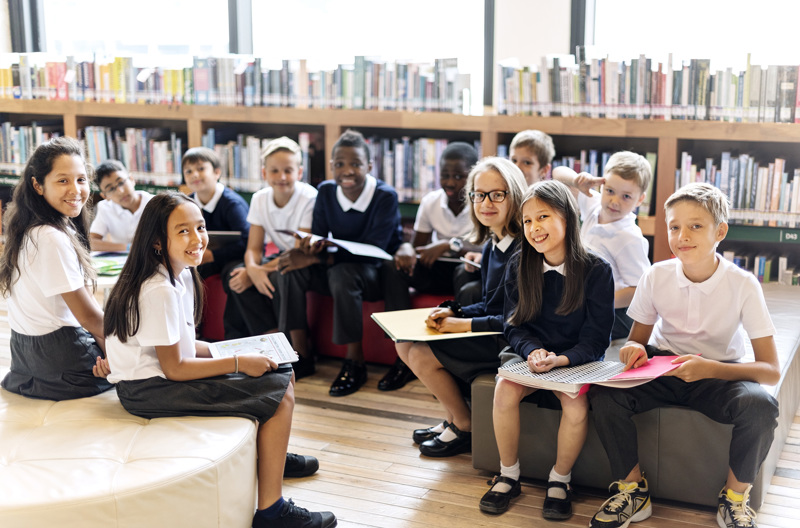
[[706, 317], [295, 215], [212, 203], [362, 203], [547, 267], [435, 216], [504, 244], [116, 222]]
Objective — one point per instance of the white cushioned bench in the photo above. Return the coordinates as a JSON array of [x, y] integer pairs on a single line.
[[89, 463]]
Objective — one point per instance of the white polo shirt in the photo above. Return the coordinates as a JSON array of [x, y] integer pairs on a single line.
[[296, 214], [166, 317], [48, 267], [434, 216], [620, 243], [116, 222], [708, 317]]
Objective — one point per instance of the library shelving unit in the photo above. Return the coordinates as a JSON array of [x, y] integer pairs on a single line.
[[571, 134]]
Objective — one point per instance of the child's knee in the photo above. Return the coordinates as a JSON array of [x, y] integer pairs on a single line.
[[507, 395], [756, 406]]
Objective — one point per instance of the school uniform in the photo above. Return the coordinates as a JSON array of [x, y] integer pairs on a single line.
[[373, 219], [166, 317], [445, 278], [251, 313], [467, 358], [707, 318], [51, 355], [225, 211], [622, 245], [117, 223]]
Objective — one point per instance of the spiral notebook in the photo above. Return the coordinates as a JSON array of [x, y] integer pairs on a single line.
[[275, 346]]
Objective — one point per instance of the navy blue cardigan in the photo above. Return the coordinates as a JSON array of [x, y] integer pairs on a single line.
[[230, 214], [487, 314]]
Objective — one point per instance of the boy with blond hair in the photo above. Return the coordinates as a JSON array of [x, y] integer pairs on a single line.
[[609, 226], [533, 152], [696, 307]]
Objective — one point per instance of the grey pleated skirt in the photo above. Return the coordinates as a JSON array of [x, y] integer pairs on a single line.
[[466, 358]]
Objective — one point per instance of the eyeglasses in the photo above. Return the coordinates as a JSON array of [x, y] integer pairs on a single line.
[[111, 189], [494, 196]]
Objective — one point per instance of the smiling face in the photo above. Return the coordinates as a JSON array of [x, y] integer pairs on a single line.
[[545, 230], [618, 198], [527, 161], [186, 237], [282, 170], [693, 237], [453, 178], [350, 168], [66, 187], [119, 188], [201, 178], [491, 214]]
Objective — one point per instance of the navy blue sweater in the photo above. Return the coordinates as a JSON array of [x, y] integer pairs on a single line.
[[582, 335], [379, 225], [230, 214], [487, 315]]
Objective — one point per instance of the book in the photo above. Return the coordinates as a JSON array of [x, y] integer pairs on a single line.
[[575, 381], [356, 248], [220, 239], [409, 325], [274, 346]]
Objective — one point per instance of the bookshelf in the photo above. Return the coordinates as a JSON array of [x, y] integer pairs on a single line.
[[667, 138]]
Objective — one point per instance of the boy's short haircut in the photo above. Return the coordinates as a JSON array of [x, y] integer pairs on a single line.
[[200, 155], [540, 143], [706, 196], [459, 150], [630, 166], [352, 138], [107, 168], [282, 143]]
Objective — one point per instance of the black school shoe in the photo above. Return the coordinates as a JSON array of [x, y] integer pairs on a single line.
[[497, 502], [434, 447], [298, 466], [397, 377], [557, 509], [293, 516], [352, 376], [423, 435]]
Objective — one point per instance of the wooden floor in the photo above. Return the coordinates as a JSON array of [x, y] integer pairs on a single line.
[[371, 473]]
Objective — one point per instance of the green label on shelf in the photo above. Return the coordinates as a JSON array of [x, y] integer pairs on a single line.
[[790, 236]]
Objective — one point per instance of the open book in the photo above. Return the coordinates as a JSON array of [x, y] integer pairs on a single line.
[[275, 346], [409, 325], [574, 381], [356, 248]]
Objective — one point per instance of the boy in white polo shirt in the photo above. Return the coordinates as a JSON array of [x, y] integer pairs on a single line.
[[696, 307], [609, 226], [119, 212], [286, 204]]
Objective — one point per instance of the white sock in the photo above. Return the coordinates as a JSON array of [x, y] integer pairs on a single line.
[[511, 472], [438, 428], [447, 435], [558, 493]]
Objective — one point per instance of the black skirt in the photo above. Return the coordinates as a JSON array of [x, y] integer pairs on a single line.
[[55, 366], [467, 358], [229, 395]]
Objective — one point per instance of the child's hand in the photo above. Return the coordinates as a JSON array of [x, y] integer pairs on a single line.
[[295, 259], [633, 355], [101, 368], [405, 259], [259, 277], [436, 315], [256, 365], [430, 253], [240, 280], [309, 248], [540, 360], [585, 182], [450, 325], [690, 368], [474, 257]]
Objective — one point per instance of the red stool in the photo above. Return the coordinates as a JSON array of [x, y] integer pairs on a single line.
[[212, 328]]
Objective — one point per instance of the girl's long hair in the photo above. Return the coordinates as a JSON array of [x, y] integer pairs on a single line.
[[29, 209], [515, 185], [530, 268], [122, 315]]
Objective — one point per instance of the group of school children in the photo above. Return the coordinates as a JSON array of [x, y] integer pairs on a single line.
[[555, 267]]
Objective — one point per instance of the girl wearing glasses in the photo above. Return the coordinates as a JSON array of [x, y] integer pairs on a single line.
[[119, 212], [495, 188]]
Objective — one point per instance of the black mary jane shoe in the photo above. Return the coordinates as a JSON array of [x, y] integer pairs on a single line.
[[352, 376], [497, 502], [397, 377], [434, 447], [423, 435], [557, 509]]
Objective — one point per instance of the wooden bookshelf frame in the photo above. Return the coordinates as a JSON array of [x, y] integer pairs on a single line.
[[194, 119]]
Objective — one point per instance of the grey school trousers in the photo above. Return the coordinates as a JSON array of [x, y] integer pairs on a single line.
[[744, 404]]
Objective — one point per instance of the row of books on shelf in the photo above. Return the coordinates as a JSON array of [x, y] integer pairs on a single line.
[[18, 143], [242, 81], [759, 193], [640, 88], [767, 268]]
